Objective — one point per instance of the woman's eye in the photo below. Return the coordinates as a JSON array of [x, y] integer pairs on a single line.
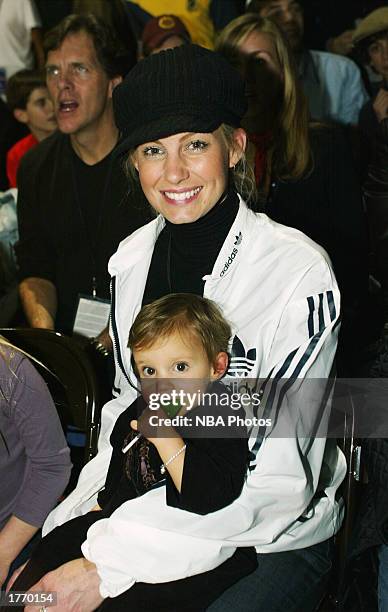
[[148, 371], [260, 60], [181, 367], [152, 151], [197, 145]]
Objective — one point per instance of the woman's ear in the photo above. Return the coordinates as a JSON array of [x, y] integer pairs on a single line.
[[239, 145], [220, 365]]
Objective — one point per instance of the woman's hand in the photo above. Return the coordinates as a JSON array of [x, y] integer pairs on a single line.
[[76, 584], [15, 575]]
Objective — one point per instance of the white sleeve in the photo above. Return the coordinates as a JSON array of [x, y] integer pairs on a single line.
[[31, 15], [145, 540]]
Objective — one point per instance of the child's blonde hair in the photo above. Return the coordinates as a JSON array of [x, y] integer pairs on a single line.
[[187, 314]]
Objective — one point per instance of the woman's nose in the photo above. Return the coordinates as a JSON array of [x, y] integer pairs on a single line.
[[175, 169]]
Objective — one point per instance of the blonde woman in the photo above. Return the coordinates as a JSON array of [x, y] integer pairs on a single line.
[[34, 457], [304, 172], [179, 113]]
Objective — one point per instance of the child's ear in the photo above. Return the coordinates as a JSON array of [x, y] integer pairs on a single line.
[[20, 115], [220, 365]]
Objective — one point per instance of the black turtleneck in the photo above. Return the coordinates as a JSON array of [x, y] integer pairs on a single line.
[[185, 252]]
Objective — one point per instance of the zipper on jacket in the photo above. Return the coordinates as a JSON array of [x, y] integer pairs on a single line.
[[115, 339]]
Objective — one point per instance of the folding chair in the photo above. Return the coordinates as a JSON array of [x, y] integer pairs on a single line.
[[70, 377], [350, 492]]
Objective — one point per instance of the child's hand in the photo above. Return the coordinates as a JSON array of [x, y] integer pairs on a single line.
[[154, 426]]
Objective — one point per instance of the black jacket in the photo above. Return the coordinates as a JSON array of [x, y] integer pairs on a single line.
[[327, 206], [371, 526]]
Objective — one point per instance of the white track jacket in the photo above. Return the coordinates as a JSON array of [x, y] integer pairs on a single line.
[[278, 290]]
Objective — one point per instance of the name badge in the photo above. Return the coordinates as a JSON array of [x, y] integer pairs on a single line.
[[92, 316]]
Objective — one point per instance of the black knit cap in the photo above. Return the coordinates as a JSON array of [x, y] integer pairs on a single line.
[[185, 89]]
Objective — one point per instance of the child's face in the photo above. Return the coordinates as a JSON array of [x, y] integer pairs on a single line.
[[164, 365], [40, 113], [378, 55]]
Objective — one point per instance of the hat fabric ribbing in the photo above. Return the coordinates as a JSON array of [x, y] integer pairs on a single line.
[[185, 89]]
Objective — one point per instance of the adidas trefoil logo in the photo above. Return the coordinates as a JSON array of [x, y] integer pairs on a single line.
[[242, 361], [238, 239]]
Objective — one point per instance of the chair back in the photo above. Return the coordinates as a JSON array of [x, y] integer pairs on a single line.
[[69, 375]]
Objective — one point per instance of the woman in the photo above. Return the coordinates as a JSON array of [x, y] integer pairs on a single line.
[[179, 113], [305, 173], [34, 457]]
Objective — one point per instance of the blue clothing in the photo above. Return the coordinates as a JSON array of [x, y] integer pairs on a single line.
[[383, 578], [333, 87]]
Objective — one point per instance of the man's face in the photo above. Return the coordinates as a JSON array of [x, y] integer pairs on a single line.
[[79, 87], [288, 15]]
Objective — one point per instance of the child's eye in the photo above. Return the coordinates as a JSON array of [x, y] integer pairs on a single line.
[[197, 145], [148, 371], [181, 366]]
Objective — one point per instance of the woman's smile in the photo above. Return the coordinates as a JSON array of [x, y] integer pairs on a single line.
[[174, 196]]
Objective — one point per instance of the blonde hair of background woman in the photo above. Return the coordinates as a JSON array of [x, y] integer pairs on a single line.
[[290, 151]]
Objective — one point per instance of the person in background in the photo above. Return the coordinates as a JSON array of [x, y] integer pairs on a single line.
[[304, 171], [163, 32], [34, 457], [20, 38], [73, 203], [371, 528], [10, 132], [202, 18], [29, 101], [370, 41], [113, 14], [329, 24], [332, 83]]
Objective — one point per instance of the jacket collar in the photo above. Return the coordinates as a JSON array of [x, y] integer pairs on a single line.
[[140, 245]]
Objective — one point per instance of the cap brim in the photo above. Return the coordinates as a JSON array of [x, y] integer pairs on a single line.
[[164, 127]]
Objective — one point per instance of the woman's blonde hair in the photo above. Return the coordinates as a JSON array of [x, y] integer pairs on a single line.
[[290, 151], [242, 175]]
